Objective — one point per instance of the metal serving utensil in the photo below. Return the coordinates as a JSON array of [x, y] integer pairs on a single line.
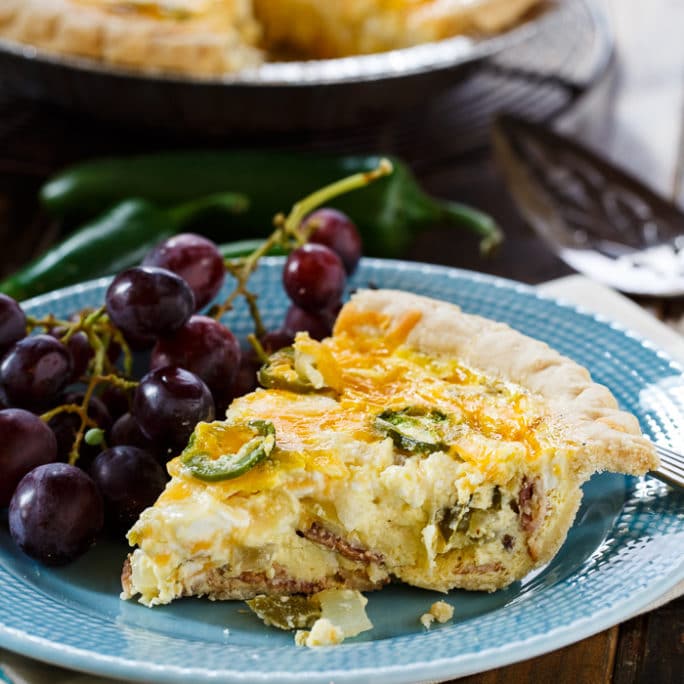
[[671, 468], [600, 220]]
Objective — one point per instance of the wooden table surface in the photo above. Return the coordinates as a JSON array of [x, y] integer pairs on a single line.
[[638, 121]]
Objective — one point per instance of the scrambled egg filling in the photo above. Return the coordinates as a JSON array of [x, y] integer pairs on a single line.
[[404, 457]]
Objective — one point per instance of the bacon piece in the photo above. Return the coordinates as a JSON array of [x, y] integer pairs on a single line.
[[472, 569], [532, 505], [126, 573], [526, 505], [320, 535], [219, 584]]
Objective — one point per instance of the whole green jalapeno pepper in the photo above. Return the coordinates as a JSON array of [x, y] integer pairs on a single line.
[[118, 239], [389, 213]]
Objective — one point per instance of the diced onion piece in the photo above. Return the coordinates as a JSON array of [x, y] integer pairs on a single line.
[[345, 608]]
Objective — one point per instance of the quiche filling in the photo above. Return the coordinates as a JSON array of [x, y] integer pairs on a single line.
[[364, 460]]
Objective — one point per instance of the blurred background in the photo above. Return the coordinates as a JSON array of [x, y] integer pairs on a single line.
[[608, 72]]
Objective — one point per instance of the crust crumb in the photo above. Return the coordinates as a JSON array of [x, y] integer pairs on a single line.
[[323, 633], [440, 611]]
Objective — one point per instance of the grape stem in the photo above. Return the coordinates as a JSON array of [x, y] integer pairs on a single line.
[[288, 235], [303, 208], [82, 410], [47, 323], [86, 422], [84, 323], [258, 348], [101, 333]]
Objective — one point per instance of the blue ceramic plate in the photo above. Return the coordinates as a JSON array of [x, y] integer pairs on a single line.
[[622, 553]]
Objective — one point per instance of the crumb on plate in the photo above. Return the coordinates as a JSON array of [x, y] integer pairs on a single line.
[[440, 611], [323, 633]]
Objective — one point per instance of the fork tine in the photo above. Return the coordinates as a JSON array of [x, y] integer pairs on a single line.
[[669, 454], [666, 451], [673, 466], [671, 458], [674, 481], [671, 469]]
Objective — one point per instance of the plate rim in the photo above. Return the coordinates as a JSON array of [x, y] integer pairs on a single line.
[[94, 662], [437, 269]]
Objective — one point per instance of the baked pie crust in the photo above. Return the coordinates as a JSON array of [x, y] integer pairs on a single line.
[[418, 444], [182, 36]]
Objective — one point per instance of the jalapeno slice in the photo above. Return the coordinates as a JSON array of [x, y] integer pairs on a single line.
[[414, 429], [294, 370], [286, 612], [455, 519], [228, 466], [280, 372]]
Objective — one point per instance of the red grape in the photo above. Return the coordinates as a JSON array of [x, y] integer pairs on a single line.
[[12, 323], [318, 324], [276, 339], [25, 442], [169, 402], [196, 260], [129, 480], [34, 371], [145, 302], [244, 383], [65, 425], [314, 277], [336, 230], [96, 409], [80, 350], [56, 513], [203, 346], [116, 400], [140, 343], [127, 432], [113, 349]]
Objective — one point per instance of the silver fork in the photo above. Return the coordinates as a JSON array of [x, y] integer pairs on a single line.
[[671, 469]]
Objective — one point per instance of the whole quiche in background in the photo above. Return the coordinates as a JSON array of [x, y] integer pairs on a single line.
[[207, 37]]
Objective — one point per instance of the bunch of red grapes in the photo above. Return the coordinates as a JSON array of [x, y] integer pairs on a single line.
[[196, 367]]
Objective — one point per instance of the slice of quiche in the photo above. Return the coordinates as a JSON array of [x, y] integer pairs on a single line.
[[185, 36], [417, 444]]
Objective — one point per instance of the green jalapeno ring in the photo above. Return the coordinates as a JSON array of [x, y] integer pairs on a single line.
[[281, 371], [229, 466], [413, 429]]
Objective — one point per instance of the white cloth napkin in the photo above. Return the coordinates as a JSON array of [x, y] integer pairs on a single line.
[[574, 289]]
